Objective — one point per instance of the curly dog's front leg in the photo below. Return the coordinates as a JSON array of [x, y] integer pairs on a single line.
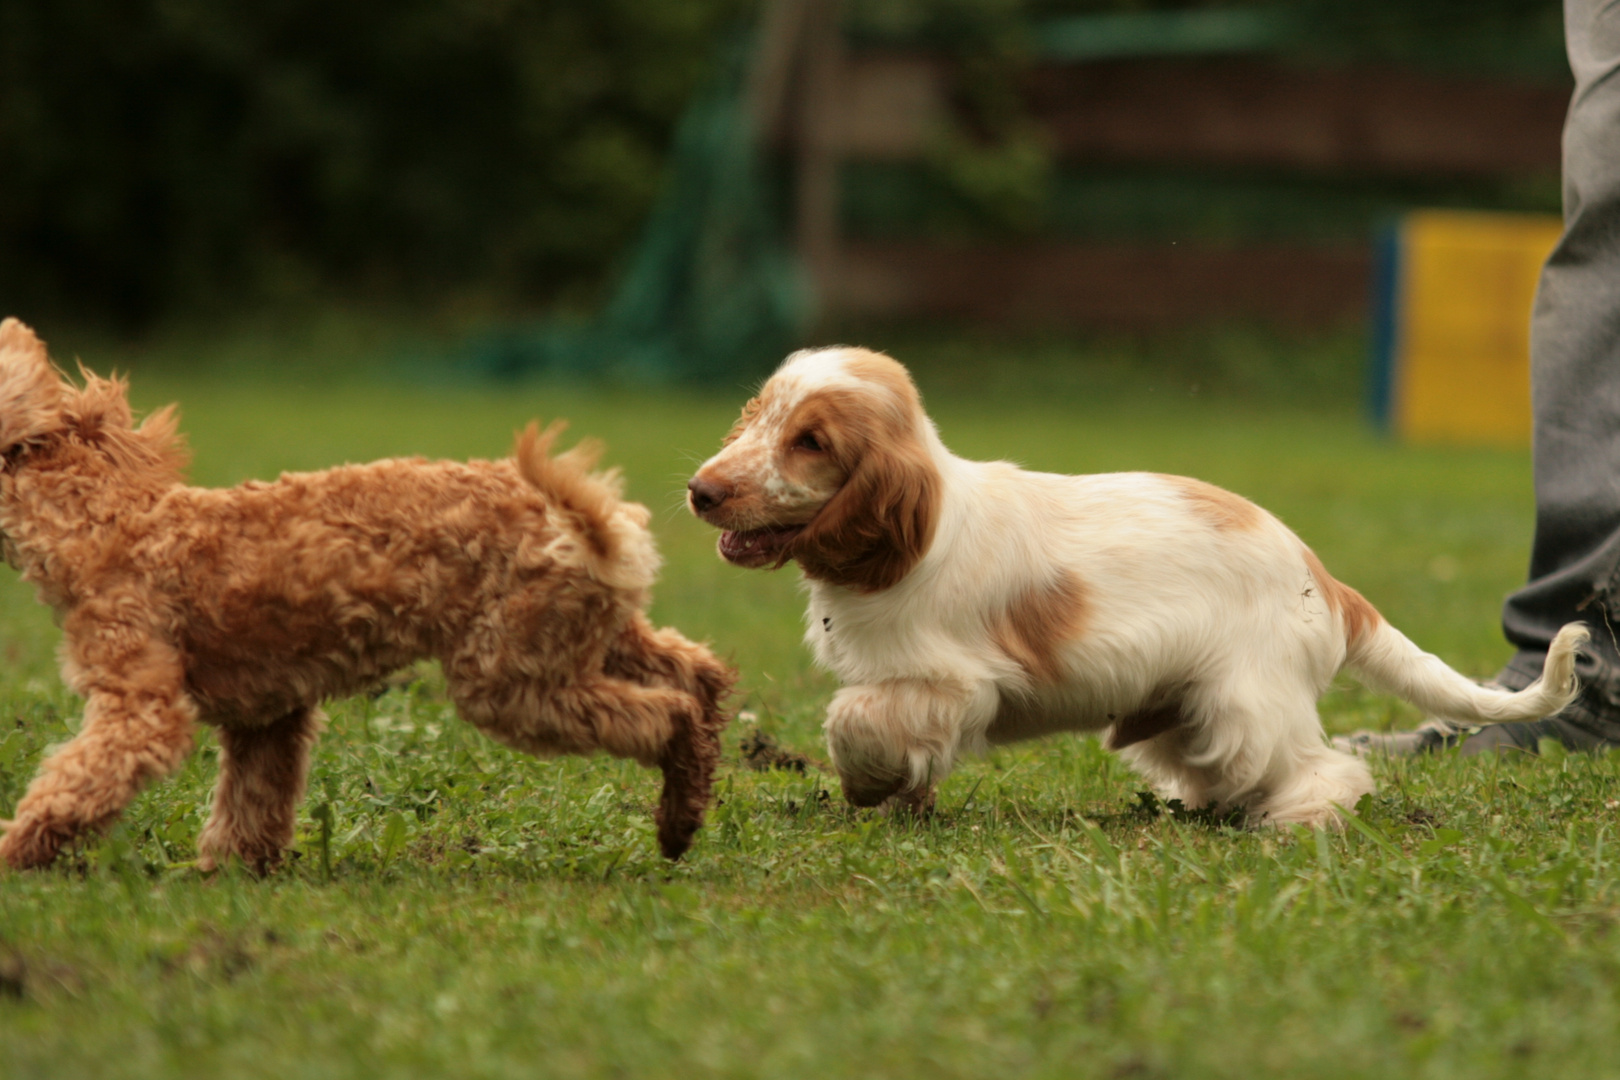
[[138, 724]]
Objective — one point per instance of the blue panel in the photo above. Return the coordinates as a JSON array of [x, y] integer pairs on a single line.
[[1382, 362]]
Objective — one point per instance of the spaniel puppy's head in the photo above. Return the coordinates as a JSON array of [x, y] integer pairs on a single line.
[[832, 466]]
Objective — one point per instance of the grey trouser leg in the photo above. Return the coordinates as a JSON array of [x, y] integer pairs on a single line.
[[1575, 385]]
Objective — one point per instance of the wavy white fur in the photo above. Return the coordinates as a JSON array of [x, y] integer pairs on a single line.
[[967, 603]]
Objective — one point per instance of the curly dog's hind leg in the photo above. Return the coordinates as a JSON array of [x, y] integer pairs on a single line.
[[261, 782], [648, 724], [664, 658]]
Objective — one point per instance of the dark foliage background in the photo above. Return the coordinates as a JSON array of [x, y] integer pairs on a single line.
[[163, 154]]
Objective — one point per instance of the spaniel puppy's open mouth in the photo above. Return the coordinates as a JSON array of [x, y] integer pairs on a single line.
[[753, 548]]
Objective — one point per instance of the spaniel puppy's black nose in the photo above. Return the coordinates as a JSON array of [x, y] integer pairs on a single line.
[[705, 496]]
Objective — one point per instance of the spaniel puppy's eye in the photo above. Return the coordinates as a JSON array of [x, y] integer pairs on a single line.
[[808, 441]]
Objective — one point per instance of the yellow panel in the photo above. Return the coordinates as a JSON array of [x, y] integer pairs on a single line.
[[1468, 282]]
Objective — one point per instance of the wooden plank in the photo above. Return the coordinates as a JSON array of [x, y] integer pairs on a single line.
[[777, 46], [816, 225], [892, 106], [1249, 112], [1114, 286], [1227, 111]]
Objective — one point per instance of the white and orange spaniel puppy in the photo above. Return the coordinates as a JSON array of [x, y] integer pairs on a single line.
[[968, 603]]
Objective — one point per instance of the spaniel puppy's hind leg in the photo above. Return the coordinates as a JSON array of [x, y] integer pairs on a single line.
[[1254, 746]]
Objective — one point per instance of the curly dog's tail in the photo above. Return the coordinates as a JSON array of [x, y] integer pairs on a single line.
[[617, 545]]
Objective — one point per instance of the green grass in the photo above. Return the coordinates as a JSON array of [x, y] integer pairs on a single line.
[[475, 913]]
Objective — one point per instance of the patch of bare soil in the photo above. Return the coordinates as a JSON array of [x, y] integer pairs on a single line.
[[32, 978], [762, 753]]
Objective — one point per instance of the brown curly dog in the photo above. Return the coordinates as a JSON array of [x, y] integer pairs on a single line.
[[244, 608]]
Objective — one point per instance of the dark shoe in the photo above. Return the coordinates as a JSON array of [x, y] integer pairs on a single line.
[[1426, 738], [1584, 724]]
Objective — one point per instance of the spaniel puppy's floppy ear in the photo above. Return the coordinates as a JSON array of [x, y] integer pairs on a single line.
[[879, 524], [31, 390]]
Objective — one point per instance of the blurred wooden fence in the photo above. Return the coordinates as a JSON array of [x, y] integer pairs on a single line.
[[827, 105]]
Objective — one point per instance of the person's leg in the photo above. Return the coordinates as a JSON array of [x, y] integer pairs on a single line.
[[1575, 384], [1575, 396], [1575, 391]]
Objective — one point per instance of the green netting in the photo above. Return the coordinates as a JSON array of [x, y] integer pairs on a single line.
[[711, 290], [1196, 32]]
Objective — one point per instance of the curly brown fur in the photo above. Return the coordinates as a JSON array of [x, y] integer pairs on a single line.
[[525, 578], [664, 658]]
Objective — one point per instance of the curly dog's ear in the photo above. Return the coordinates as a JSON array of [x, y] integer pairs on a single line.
[[31, 391]]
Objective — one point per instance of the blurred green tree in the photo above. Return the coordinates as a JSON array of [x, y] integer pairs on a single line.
[[167, 154]]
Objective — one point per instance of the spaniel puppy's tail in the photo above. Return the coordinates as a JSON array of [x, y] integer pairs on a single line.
[[617, 545], [1386, 660]]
